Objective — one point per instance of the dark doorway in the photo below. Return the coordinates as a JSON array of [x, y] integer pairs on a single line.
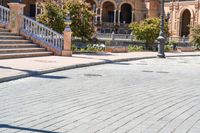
[[126, 13], [185, 23], [32, 10], [108, 12]]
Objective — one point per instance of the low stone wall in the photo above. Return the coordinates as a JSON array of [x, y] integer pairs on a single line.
[[122, 43], [185, 49], [116, 49]]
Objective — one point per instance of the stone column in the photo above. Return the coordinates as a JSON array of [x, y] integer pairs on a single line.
[[16, 10], [119, 12], [67, 42], [96, 15], [101, 15], [132, 18], [114, 21]]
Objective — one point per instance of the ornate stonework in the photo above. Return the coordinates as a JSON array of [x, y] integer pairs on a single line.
[[183, 14], [111, 15]]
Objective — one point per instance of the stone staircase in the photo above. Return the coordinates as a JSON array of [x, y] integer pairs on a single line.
[[14, 46]]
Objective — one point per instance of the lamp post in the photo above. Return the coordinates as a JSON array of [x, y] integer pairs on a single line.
[[161, 38]]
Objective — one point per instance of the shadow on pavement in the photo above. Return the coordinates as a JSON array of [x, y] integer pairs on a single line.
[[25, 129], [36, 74]]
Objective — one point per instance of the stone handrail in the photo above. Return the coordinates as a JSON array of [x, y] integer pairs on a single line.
[[4, 15], [17, 23], [112, 36], [179, 39], [42, 33]]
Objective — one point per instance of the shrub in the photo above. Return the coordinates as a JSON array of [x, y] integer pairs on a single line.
[[147, 30], [135, 48], [195, 36], [90, 48], [168, 48]]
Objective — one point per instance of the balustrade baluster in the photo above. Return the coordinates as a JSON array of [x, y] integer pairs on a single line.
[[1, 14], [7, 16], [42, 33], [4, 18]]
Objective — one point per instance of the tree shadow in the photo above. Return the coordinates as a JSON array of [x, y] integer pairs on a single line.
[[36, 74], [25, 129]]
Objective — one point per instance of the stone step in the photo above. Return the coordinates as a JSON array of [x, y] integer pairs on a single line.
[[4, 30], [23, 55], [22, 50], [7, 33], [8, 37], [16, 46], [14, 41], [25, 45]]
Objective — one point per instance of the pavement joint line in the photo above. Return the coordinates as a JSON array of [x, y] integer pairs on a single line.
[[37, 73]]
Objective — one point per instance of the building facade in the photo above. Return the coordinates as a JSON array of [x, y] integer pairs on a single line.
[[111, 15], [182, 15], [30, 8], [116, 15]]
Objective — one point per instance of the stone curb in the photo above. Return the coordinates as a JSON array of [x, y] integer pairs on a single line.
[[6, 79]]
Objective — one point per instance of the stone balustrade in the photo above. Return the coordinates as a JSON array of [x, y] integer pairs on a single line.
[[17, 23]]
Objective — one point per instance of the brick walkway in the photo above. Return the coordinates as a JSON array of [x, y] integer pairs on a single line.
[[147, 96], [17, 68]]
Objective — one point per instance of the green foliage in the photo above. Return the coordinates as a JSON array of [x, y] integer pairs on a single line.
[[90, 48], [133, 48], [172, 42], [168, 48], [195, 36], [148, 30], [81, 19], [53, 17]]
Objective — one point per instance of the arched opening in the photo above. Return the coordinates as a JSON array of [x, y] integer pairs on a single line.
[[185, 22], [108, 12], [126, 13]]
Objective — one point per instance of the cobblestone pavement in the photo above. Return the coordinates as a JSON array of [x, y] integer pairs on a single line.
[[148, 96]]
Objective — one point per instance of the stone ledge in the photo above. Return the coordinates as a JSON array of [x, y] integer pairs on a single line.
[[116, 49], [185, 49]]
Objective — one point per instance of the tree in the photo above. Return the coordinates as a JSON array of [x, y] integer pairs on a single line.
[[81, 19], [53, 17], [147, 30], [55, 13], [195, 36]]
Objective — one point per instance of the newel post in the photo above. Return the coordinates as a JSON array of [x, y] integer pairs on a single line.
[[16, 10], [67, 39]]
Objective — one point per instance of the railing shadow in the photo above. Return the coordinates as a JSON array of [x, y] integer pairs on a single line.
[[36, 74], [6, 126]]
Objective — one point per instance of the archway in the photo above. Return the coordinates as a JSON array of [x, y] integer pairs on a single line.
[[108, 12], [126, 13], [185, 22]]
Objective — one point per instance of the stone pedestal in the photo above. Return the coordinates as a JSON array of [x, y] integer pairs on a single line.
[[67, 42], [16, 10]]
